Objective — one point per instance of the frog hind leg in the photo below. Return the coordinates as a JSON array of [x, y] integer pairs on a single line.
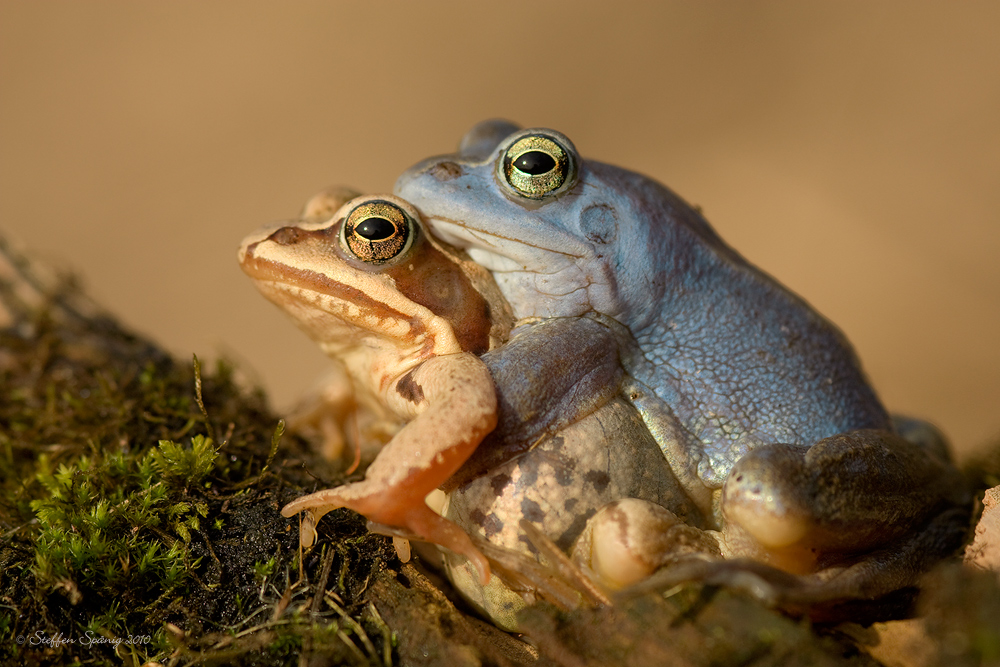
[[893, 567], [811, 509], [876, 586], [628, 540], [833, 531]]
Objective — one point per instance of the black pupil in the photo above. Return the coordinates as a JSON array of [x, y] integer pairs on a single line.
[[535, 163], [375, 229]]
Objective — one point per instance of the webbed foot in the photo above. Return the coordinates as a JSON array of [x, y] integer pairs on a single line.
[[408, 517]]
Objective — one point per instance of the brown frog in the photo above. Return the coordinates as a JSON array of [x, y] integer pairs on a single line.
[[409, 333]]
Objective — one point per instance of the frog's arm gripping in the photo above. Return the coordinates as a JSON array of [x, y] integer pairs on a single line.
[[457, 408]]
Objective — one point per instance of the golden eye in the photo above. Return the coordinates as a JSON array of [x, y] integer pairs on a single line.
[[377, 231], [537, 165]]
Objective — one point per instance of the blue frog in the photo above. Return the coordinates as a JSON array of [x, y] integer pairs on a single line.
[[758, 403]]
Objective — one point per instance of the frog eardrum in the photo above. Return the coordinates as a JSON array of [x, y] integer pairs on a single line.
[[377, 231], [538, 165]]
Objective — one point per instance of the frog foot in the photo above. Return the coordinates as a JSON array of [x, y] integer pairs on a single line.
[[405, 515]]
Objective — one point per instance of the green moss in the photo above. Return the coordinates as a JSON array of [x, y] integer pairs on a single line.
[[138, 499], [117, 526], [263, 570]]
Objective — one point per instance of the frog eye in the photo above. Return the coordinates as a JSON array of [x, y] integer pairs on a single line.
[[538, 165], [377, 231]]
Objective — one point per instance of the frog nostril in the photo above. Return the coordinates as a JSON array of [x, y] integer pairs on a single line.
[[286, 236], [446, 171]]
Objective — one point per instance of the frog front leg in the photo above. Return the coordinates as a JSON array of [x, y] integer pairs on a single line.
[[454, 406], [839, 502]]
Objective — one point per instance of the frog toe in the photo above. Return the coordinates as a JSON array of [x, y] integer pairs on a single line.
[[426, 525], [394, 511]]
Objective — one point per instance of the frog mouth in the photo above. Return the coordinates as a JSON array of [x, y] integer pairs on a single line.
[[330, 311], [308, 285], [498, 252]]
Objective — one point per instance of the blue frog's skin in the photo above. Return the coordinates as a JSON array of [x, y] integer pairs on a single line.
[[758, 402], [739, 359]]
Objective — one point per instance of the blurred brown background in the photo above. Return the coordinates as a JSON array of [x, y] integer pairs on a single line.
[[852, 149]]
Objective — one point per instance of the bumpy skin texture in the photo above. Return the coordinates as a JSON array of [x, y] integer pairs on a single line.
[[740, 382], [739, 359]]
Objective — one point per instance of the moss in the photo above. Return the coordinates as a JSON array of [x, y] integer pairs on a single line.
[[137, 500]]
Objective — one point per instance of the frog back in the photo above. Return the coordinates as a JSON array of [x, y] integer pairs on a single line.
[[738, 358]]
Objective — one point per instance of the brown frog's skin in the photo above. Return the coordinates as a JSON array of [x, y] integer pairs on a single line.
[[758, 403], [408, 318]]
